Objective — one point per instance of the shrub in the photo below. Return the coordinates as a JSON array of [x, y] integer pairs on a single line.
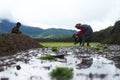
[[61, 73]]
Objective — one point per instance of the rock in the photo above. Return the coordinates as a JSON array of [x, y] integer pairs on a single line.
[[18, 67]]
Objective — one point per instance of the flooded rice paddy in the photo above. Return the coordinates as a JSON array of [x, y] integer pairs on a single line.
[[86, 63]]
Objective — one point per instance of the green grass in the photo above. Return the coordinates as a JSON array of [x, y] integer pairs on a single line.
[[61, 73], [62, 44], [57, 44], [47, 57]]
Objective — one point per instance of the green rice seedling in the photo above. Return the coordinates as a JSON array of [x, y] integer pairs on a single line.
[[61, 73], [54, 48], [105, 47], [47, 57], [97, 48], [101, 47]]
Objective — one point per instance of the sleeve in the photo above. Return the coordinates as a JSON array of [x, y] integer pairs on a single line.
[[79, 33]]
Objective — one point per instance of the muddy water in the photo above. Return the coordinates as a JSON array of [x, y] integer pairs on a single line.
[[86, 63]]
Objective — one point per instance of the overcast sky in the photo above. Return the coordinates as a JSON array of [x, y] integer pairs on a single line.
[[61, 13]]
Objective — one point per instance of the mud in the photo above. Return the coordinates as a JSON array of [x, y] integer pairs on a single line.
[[87, 63]]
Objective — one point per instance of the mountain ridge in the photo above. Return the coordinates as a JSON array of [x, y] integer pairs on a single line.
[[35, 32]]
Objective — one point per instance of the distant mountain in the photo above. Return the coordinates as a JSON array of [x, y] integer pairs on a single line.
[[6, 26], [56, 33], [35, 32]]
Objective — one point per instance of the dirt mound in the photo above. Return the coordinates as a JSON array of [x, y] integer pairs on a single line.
[[13, 43]]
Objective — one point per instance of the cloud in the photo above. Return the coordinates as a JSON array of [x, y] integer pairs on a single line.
[[61, 13]]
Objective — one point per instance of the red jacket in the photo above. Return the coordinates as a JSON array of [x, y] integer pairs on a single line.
[[79, 33]]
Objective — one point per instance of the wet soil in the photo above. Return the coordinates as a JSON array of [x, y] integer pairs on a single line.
[[12, 43], [87, 63]]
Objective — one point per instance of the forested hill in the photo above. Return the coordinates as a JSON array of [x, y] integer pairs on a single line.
[[109, 35], [35, 32]]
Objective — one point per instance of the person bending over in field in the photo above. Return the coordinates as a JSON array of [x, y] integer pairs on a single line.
[[85, 33], [77, 37], [16, 28]]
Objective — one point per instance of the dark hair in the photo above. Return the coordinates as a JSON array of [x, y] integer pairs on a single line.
[[18, 23]]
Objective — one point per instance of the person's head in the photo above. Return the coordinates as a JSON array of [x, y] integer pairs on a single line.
[[78, 26], [18, 24]]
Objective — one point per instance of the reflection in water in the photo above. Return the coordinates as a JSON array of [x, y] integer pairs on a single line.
[[85, 63], [1, 69], [4, 79], [92, 76], [102, 76], [116, 60], [98, 69], [117, 65]]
